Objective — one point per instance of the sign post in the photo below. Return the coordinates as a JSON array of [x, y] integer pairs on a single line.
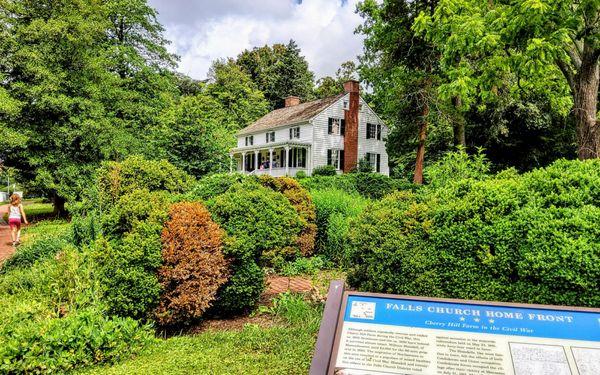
[[392, 334]]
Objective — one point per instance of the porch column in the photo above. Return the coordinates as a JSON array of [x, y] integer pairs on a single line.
[[271, 161], [231, 163], [287, 160], [255, 160], [309, 160], [243, 162]]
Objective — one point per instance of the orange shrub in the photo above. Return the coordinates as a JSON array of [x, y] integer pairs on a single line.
[[301, 201], [193, 264]]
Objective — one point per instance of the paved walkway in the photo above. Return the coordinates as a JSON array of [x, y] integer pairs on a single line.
[[282, 284], [6, 248]]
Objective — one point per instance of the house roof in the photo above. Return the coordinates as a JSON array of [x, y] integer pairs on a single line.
[[290, 115]]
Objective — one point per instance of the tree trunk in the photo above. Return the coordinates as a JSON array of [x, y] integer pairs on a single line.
[[418, 178], [458, 127], [59, 206], [585, 100]]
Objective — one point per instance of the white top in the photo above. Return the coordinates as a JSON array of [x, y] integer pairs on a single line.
[[14, 212]]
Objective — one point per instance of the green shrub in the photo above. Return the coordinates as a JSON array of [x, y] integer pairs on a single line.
[[525, 238], [456, 166], [241, 293], [300, 175], [344, 182], [339, 207], [261, 224], [61, 344], [213, 185], [326, 170], [302, 202], [262, 228], [116, 179], [303, 266]]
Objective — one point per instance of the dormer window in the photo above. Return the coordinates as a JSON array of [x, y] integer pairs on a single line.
[[270, 137], [295, 133], [336, 126], [249, 140]]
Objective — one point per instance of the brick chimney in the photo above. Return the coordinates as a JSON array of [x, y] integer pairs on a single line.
[[351, 132], [291, 101]]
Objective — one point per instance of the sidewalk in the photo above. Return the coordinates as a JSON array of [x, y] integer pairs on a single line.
[[6, 248]]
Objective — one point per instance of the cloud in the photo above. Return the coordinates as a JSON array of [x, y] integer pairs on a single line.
[[203, 31]]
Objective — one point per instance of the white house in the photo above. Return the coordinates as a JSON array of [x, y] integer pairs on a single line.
[[338, 131]]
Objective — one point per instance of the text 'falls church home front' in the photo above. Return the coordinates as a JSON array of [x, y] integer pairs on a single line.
[[337, 131]]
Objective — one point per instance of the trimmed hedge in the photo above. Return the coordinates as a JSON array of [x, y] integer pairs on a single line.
[[369, 185], [528, 238]]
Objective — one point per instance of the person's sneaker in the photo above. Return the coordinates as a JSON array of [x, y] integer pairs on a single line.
[[14, 243]]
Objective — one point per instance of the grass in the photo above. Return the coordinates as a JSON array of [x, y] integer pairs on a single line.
[[286, 348]]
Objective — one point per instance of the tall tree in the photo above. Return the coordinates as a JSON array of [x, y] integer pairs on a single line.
[[68, 93], [329, 86], [236, 93], [278, 71], [401, 68], [528, 39]]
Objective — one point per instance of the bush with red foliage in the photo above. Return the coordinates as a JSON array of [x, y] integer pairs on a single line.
[[194, 267]]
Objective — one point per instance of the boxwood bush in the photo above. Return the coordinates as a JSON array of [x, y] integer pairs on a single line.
[[262, 227], [527, 238]]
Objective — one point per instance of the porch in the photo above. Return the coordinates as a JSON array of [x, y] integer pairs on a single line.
[[282, 159]]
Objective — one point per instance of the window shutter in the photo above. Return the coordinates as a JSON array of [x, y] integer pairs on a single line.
[[329, 156], [330, 126], [378, 162], [368, 131], [341, 159], [379, 132], [343, 127]]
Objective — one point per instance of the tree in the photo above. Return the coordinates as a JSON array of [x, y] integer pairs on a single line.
[[278, 71], [71, 103], [529, 39], [401, 68], [243, 102], [331, 86]]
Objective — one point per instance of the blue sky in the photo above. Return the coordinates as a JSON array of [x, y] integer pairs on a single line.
[[203, 30]]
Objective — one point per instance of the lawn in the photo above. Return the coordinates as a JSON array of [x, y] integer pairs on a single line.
[[285, 348]]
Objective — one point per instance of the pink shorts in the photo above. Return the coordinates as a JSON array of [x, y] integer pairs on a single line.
[[14, 223]]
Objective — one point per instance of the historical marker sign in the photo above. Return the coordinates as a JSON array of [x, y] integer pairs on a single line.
[[387, 334]]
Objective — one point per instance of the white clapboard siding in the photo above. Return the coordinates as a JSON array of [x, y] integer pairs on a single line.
[[281, 134], [367, 115], [322, 140]]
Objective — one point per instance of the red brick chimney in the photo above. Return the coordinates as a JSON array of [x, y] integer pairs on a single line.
[[351, 132], [291, 101]]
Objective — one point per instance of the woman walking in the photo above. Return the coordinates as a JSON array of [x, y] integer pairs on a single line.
[[15, 214]]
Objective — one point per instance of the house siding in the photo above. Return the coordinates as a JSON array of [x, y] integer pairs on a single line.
[[316, 133]]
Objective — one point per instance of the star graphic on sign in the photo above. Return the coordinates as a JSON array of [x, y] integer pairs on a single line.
[[492, 321], [462, 318], [476, 319]]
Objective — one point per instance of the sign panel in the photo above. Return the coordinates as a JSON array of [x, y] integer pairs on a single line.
[[379, 334]]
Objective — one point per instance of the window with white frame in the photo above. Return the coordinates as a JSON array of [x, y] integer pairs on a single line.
[[336, 126], [373, 131], [374, 161], [335, 158], [295, 132], [346, 105], [249, 140], [270, 137]]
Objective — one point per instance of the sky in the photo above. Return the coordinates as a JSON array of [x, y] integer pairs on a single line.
[[202, 31]]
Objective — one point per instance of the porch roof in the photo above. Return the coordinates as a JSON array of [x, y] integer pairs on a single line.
[[269, 146]]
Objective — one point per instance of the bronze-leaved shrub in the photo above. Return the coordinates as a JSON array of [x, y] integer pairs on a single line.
[[194, 267]]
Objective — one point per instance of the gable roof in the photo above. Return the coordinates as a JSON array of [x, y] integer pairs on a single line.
[[290, 115]]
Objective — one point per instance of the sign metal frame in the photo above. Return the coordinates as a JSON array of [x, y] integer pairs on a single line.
[[327, 348]]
